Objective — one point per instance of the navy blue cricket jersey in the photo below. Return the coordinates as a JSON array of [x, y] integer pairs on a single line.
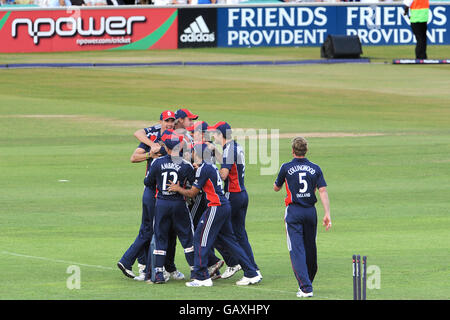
[[163, 170], [154, 134], [302, 177], [234, 161], [208, 179]]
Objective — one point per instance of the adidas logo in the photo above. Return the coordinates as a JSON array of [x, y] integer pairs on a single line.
[[197, 31]]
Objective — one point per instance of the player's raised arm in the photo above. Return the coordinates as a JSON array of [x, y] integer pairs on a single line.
[[175, 187], [141, 135], [139, 155], [326, 206]]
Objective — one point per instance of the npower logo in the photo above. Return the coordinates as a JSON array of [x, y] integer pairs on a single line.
[[198, 31], [47, 27]]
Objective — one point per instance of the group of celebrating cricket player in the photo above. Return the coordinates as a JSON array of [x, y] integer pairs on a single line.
[[186, 196]]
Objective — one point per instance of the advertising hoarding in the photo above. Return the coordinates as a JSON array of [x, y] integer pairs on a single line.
[[77, 30]]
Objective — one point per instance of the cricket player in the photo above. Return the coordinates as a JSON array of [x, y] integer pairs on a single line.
[[302, 178], [183, 120], [199, 206], [139, 249], [214, 224], [201, 135], [232, 171], [171, 207]]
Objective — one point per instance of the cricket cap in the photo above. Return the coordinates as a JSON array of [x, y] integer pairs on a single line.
[[171, 139], [183, 113], [198, 126], [165, 115], [223, 127]]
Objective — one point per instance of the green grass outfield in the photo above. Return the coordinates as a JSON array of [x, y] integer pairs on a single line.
[[388, 183]]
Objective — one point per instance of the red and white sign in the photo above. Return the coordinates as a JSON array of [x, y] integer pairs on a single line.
[[78, 29]]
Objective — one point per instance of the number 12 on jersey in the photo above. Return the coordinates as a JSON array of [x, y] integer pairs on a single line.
[[174, 178]]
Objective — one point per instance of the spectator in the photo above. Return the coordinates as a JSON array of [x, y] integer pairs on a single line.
[[115, 2], [163, 2], [60, 3], [202, 1], [77, 2], [53, 3], [94, 3]]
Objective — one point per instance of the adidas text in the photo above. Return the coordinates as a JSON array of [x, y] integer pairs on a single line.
[[198, 37]]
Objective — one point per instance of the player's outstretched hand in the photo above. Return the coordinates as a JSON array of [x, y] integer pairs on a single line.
[[327, 222], [173, 187]]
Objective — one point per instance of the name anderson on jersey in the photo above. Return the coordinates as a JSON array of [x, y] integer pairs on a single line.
[[297, 168], [168, 165]]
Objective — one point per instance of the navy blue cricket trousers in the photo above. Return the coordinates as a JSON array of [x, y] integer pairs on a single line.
[[172, 214], [301, 228], [239, 205], [140, 247], [215, 225], [199, 206]]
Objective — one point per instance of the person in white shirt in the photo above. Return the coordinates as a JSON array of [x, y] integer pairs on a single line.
[[53, 3], [93, 3]]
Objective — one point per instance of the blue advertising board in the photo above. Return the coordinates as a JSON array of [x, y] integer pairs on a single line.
[[309, 25]]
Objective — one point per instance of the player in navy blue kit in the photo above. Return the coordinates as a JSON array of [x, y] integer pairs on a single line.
[[171, 207], [214, 224], [232, 171], [201, 135], [302, 178], [139, 249], [184, 119], [200, 202]]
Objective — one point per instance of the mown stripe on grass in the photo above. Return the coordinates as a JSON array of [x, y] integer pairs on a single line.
[[55, 260]]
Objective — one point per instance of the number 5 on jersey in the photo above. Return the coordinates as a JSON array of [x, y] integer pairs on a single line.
[[303, 182]]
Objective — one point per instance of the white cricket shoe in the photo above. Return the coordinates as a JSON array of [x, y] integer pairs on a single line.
[[230, 271], [215, 267], [166, 275], [246, 281], [128, 273], [302, 294], [259, 273], [200, 283], [141, 268], [177, 275], [140, 277]]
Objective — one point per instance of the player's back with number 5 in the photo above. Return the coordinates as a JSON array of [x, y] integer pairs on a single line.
[[302, 178]]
